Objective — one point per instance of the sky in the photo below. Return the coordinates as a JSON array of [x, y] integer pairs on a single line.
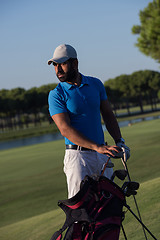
[[100, 31]]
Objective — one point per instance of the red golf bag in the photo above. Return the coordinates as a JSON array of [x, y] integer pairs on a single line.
[[95, 212]]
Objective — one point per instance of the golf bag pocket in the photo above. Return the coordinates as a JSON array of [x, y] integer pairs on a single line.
[[95, 212]]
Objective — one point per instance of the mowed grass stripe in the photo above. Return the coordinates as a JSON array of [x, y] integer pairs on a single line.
[[38, 227], [32, 180]]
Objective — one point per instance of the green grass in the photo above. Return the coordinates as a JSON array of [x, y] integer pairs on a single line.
[[149, 205], [144, 142], [32, 181], [44, 225], [39, 227]]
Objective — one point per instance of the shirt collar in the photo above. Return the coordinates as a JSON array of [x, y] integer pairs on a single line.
[[84, 81]]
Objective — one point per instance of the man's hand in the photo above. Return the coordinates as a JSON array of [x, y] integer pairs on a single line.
[[121, 144], [111, 151]]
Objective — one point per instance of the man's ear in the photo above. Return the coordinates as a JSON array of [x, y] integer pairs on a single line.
[[75, 63]]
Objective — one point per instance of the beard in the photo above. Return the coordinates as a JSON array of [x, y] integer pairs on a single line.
[[68, 76]]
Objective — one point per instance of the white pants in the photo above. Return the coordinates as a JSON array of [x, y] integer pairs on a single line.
[[78, 164]]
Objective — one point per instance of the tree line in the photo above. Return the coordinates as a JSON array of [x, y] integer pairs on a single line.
[[137, 89], [20, 107]]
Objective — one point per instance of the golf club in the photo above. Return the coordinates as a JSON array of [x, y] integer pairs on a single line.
[[139, 220], [129, 188], [121, 174], [123, 159], [131, 185]]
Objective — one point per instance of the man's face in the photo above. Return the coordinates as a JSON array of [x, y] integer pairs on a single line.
[[66, 71]]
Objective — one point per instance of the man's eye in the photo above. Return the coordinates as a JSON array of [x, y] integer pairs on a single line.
[[64, 63]]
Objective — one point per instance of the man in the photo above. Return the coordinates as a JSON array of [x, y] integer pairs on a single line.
[[75, 106]]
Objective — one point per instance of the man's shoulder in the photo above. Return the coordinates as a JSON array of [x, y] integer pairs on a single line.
[[57, 91], [58, 88], [89, 78], [92, 80]]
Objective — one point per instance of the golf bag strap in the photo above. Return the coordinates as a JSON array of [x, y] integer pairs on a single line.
[[72, 215]]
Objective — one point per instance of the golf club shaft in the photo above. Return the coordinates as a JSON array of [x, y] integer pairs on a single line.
[[129, 178], [104, 168]]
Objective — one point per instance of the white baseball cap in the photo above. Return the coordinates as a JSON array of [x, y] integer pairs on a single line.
[[62, 53]]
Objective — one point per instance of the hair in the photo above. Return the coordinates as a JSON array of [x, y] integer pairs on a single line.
[[72, 59]]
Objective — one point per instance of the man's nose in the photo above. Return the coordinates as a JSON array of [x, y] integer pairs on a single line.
[[59, 67]]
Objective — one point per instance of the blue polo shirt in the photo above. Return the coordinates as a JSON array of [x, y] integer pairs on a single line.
[[82, 104]]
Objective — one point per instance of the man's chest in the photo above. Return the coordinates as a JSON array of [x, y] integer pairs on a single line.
[[80, 100]]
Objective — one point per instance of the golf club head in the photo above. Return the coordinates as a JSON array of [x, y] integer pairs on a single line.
[[128, 192], [129, 188], [130, 185], [121, 174]]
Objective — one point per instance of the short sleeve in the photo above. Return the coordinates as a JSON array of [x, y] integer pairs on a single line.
[[102, 90], [103, 93], [56, 102]]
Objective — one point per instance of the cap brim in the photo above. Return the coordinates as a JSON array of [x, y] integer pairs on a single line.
[[60, 60]]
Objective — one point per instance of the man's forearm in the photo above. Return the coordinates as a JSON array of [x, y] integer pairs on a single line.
[[77, 138], [110, 120], [113, 128], [63, 123]]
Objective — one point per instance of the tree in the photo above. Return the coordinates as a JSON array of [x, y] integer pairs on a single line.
[[138, 88], [16, 105], [154, 85], [113, 95], [123, 84], [119, 92], [32, 103], [43, 92], [148, 41], [19, 107]]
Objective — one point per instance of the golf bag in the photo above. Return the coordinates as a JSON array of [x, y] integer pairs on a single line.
[[95, 212]]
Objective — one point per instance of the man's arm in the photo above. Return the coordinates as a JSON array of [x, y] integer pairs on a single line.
[[113, 127], [62, 121], [110, 120]]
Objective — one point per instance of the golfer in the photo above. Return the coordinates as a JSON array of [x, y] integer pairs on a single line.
[[76, 106]]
